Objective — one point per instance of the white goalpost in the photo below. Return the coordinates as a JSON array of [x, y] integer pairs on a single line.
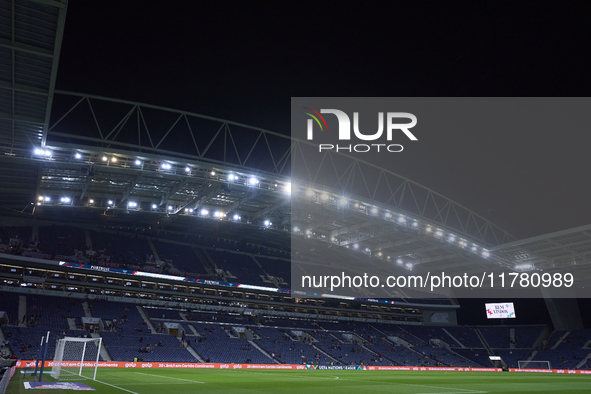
[[534, 364], [76, 358]]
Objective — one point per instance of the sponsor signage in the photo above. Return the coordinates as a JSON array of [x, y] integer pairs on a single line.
[[502, 310]]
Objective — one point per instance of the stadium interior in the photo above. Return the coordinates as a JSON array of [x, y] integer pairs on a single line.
[[169, 235]]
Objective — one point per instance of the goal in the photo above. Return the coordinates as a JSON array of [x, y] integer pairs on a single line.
[[76, 358], [545, 365]]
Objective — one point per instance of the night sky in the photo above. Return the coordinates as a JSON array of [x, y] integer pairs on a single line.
[[242, 61]]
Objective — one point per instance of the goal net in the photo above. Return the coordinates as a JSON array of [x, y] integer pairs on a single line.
[[76, 358], [545, 365]]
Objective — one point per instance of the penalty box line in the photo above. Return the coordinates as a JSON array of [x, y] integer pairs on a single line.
[[117, 387]]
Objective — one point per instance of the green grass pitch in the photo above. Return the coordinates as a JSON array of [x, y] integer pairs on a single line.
[[157, 381]]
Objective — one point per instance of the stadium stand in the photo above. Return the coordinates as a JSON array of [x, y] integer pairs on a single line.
[[235, 338]]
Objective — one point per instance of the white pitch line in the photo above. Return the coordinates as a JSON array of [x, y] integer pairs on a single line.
[[169, 377], [117, 387]]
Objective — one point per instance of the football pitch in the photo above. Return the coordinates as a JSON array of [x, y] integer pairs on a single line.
[[156, 381]]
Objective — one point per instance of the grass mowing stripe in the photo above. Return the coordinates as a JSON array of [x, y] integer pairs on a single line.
[[464, 391], [117, 387], [168, 377]]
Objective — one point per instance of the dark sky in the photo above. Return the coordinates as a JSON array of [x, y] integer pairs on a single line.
[[243, 61]]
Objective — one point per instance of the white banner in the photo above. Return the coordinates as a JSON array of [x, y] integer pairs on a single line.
[[504, 310]]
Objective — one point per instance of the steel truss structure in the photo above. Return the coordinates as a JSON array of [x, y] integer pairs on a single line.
[[73, 149]]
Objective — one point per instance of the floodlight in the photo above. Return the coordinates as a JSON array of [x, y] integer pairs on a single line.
[[138, 162], [253, 181], [78, 156], [204, 212]]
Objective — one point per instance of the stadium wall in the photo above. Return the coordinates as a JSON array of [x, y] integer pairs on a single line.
[[439, 318]]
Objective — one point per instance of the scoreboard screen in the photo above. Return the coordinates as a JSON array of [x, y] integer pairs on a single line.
[[503, 310]]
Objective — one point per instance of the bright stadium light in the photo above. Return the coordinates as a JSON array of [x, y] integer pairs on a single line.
[[309, 193], [452, 238], [40, 198], [165, 166], [42, 152], [170, 207], [232, 177], [356, 246], [110, 202], [65, 199], [187, 169], [114, 159], [212, 173], [266, 223], [91, 201], [47, 199], [236, 216], [138, 162], [132, 204], [399, 261], [374, 211], [287, 188], [401, 219], [409, 266], [324, 196], [485, 254], [78, 155], [191, 210], [343, 201], [253, 181], [204, 212], [388, 215], [105, 158], [415, 224], [217, 214]]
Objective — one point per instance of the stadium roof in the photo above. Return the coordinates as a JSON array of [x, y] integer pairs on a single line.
[[108, 153], [30, 40]]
